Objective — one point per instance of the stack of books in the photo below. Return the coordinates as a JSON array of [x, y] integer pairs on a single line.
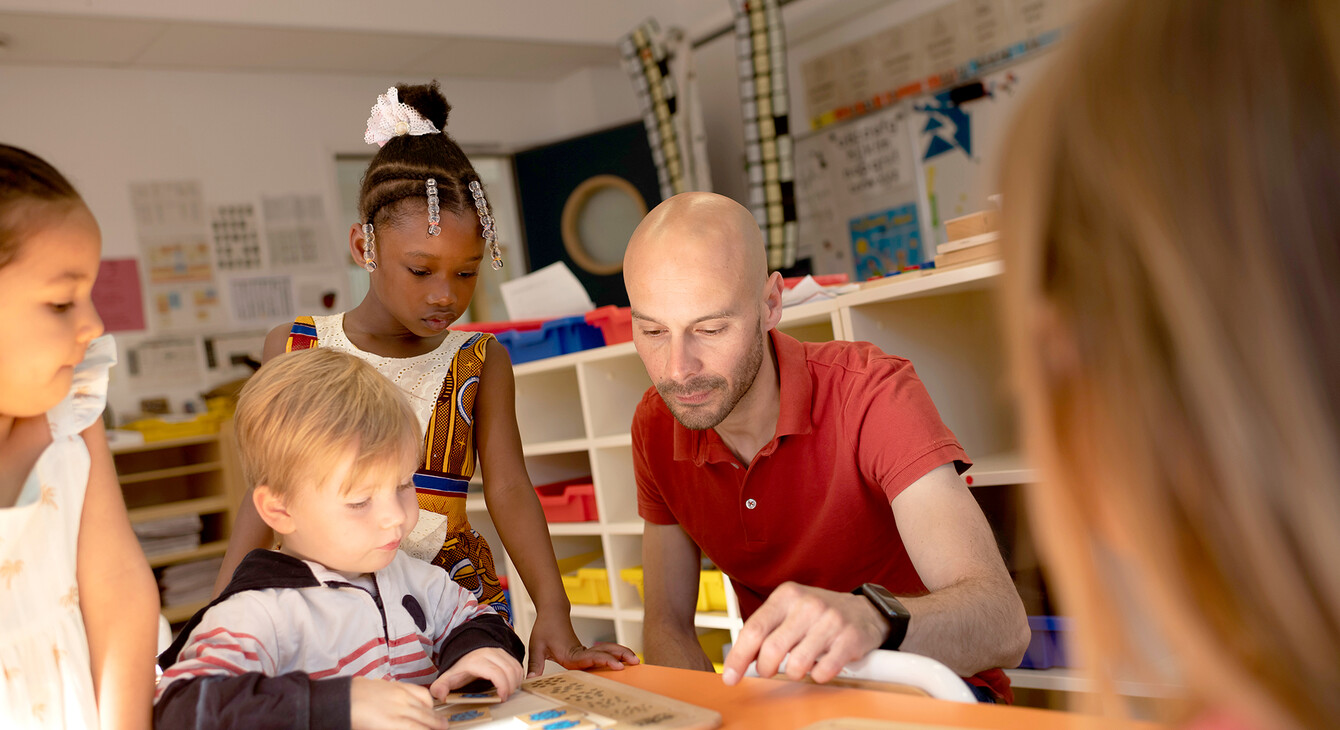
[[972, 239], [189, 583], [169, 534]]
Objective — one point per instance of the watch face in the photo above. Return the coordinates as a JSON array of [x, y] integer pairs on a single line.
[[892, 610], [888, 604]]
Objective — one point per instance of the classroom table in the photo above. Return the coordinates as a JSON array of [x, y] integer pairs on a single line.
[[780, 704]]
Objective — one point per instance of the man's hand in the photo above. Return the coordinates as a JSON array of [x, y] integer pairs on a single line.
[[493, 664], [821, 630], [376, 704]]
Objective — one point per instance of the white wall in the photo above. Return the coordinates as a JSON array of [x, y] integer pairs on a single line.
[[592, 99], [249, 134], [246, 135]]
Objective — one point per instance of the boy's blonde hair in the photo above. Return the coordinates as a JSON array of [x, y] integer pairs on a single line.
[[304, 409], [1173, 248]]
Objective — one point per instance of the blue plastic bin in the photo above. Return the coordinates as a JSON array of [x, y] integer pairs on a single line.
[[555, 337], [1047, 647]]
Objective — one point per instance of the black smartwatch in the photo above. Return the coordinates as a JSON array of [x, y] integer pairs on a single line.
[[891, 609]]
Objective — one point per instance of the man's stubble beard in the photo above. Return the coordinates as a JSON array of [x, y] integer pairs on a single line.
[[743, 378]]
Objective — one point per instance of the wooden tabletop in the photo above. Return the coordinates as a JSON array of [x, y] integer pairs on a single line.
[[779, 704]]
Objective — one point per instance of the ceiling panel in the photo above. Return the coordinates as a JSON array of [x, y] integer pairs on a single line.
[[202, 46], [513, 60], [54, 39], [51, 39]]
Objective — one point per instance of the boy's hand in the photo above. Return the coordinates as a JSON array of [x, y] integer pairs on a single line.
[[552, 637], [376, 704], [493, 664]]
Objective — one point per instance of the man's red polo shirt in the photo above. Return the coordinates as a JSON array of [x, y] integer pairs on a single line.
[[856, 427]]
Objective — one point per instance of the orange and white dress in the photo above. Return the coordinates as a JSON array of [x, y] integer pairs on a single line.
[[46, 681], [442, 386]]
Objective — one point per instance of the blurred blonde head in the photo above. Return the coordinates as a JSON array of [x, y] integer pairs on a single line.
[[300, 413], [1173, 306]]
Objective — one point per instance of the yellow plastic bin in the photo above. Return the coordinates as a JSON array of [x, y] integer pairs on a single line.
[[633, 576], [711, 591], [589, 587], [711, 587]]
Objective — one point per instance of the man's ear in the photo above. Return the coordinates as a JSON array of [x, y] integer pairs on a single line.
[[272, 509], [772, 299]]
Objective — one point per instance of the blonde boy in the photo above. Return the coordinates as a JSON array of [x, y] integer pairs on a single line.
[[337, 628]]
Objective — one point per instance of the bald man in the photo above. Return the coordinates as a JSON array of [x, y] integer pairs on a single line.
[[819, 477]]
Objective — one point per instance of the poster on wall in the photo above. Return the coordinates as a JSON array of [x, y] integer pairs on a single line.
[[185, 306], [295, 231], [959, 143], [944, 47], [176, 254], [237, 238], [886, 242], [261, 299], [858, 195], [117, 296]]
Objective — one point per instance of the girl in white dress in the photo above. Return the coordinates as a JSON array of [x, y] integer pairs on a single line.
[[78, 605]]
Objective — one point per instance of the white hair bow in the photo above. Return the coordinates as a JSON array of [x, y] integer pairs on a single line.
[[391, 118]]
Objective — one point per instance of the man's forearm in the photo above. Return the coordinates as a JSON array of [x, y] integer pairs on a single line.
[[670, 646], [971, 626]]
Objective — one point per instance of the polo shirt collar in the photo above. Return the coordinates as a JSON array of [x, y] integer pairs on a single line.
[[794, 413]]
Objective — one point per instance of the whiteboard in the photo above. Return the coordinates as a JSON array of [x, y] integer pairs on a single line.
[[873, 192], [857, 196]]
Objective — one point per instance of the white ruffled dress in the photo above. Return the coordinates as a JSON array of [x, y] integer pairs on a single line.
[[44, 657]]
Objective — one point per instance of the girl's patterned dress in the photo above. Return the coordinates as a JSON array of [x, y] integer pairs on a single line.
[[441, 386], [46, 682]]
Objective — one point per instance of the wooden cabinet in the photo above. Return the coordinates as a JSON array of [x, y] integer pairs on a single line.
[[180, 479]]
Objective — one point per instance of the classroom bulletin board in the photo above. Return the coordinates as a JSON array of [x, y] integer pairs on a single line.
[[874, 190]]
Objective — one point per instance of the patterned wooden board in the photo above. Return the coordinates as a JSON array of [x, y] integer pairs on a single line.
[[629, 707]]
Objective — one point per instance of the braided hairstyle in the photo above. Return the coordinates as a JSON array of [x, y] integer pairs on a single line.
[[26, 178], [400, 169]]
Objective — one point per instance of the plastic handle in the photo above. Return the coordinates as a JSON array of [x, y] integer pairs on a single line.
[[900, 667]]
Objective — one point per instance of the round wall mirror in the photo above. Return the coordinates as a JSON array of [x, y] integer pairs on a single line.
[[598, 220]]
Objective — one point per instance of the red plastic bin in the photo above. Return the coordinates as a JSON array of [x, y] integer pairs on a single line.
[[571, 501], [493, 328], [821, 280], [616, 323]]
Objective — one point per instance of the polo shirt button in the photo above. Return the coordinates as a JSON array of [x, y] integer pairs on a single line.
[[737, 466], [750, 503]]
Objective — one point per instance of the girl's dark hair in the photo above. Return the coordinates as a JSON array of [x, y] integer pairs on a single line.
[[25, 177], [399, 170]]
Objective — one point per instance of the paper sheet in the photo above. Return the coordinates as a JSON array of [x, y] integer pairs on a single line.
[[550, 292], [295, 230], [165, 363], [185, 306], [808, 290], [237, 239], [262, 298]]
